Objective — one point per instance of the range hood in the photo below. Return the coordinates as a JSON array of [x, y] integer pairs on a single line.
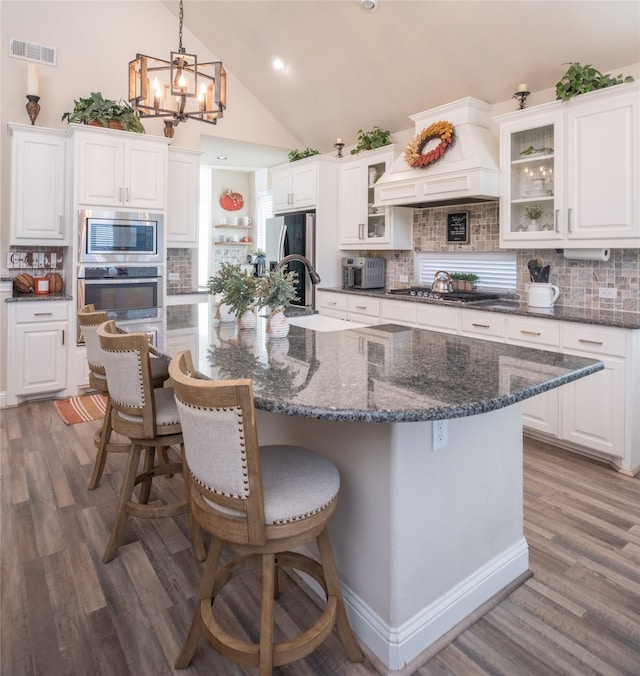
[[467, 172]]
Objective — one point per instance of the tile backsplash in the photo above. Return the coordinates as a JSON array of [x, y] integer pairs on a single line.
[[579, 281]]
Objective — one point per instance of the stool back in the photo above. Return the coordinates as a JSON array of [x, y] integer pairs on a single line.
[[88, 320], [126, 361], [221, 453]]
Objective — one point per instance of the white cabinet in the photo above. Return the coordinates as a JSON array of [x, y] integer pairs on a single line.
[[578, 162], [331, 304], [486, 325], [120, 169], [37, 337], [295, 186], [38, 198], [363, 225], [183, 205], [363, 308], [593, 408]]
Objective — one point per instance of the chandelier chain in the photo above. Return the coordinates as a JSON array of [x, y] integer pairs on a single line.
[[180, 49]]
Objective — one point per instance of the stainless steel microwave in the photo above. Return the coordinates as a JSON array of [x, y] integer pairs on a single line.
[[120, 237]]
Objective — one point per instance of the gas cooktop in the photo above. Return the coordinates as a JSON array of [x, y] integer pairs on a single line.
[[451, 296]]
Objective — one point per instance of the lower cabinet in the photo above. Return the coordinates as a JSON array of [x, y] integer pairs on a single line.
[[37, 337], [596, 415]]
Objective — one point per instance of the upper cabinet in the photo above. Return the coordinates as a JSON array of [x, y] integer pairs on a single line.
[[295, 186], [577, 165], [362, 224], [120, 169], [183, 197], [38, 198]]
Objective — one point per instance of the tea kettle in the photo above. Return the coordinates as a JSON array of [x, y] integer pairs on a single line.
[[442, 282]]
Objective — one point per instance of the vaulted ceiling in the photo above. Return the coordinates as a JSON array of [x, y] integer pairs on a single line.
[[351, 69]]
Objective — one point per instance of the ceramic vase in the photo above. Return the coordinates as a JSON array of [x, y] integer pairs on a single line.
[[277, 325], [247, 320], [224, 313], [533, 225]]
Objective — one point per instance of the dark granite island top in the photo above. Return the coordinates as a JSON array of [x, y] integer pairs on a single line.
[[429, 522], [384, 373]]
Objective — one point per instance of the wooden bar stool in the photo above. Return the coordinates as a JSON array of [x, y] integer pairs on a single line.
[[149, 417], [88, 320], [263, 502]]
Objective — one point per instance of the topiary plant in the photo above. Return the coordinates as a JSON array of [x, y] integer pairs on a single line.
[[581, 79], [238, 288], [276, 289]]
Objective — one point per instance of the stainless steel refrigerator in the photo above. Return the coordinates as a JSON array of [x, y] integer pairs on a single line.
[[293, 234]]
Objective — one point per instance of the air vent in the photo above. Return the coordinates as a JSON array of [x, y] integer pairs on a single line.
[[30, 51]]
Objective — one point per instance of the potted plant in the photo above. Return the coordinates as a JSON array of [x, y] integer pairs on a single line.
[[99, 111], [368, 140], [534, 211], [238, 290], [463, 281], [581, 79], [301, 154], [276, 290]]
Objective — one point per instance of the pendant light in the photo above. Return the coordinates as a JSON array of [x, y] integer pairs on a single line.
[[179, 89]]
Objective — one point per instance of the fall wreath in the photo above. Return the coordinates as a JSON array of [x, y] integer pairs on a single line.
[[413, 152]]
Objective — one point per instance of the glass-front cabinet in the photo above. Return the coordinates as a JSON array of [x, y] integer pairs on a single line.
[[570, 172], [532, 187], [363, 225]]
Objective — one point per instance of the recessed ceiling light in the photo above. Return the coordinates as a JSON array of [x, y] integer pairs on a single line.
[[279, 63], [222, 157], [368, 4]]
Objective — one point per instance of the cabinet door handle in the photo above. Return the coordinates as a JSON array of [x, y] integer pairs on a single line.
[[63, 336], [119, 194], [361, 307], [530, 333], [569, 220], [557, 220], [481, 326], [42, 314], [590, 342], [126, 194], [361, 231], [332, 302]]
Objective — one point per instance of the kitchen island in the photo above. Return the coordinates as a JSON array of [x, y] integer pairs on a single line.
[[429, 525]]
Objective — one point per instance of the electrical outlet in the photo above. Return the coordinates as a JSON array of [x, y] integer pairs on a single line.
[[174, 276], [607, 292], [439, 433], [404, 278]]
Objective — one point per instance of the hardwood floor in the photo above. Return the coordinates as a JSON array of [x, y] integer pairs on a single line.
[[65, 612]]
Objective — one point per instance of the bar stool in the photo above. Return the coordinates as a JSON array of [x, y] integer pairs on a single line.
[[263, 502], [149, 418], [88, 320]]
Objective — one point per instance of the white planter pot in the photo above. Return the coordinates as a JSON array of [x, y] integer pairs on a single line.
[[278, 325], [224, 314], [247, 320]]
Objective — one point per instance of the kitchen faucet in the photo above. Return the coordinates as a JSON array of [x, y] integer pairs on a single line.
[[313, 275]]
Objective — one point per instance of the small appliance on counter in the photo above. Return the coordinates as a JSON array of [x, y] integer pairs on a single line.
[[363, 273]]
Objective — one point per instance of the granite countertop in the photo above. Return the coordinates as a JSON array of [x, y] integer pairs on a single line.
[[627, 319], [384, 373], [30, 297]]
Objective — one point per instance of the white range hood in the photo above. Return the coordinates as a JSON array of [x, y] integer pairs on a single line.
[[467, 172]]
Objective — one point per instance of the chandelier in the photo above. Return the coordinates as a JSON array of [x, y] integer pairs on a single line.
[[178, 89]]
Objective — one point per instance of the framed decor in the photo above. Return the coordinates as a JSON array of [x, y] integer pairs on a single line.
[[458, 227]]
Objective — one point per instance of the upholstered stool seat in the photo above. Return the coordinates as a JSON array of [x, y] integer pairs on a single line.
[[149, 417], [263, 502]]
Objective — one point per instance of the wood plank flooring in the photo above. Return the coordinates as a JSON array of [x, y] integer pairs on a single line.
[[64, 612]]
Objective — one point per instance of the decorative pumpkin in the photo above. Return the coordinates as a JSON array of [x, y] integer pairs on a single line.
[[56, 282], [23, 283]]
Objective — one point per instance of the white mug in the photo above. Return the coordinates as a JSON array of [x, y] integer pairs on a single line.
[[233, 220], [542, 295], [245, 220]]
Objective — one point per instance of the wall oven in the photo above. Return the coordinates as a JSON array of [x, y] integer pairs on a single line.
[[130, 294], [110, 237]]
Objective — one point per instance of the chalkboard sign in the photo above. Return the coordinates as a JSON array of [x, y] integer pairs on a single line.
[[458, 227]]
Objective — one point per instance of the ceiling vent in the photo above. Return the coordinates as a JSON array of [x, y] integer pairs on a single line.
[[30, 51]]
